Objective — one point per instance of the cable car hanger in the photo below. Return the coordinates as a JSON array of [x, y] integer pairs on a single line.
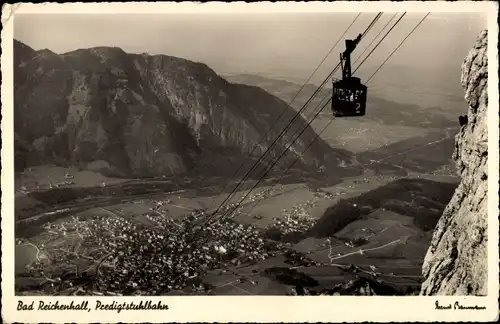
[[348, 94], [350, 45]]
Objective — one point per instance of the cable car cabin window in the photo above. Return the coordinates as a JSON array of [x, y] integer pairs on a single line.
[[348, 99]]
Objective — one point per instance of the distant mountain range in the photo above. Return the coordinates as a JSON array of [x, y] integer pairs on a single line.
[[142, 115], [378, 109]]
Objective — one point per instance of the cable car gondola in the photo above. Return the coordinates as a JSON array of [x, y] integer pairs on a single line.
[[349, 94]]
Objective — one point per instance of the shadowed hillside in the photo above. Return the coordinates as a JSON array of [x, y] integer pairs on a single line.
[[423, 200]]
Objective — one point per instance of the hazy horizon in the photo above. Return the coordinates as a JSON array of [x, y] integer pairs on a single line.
[[285, 45]]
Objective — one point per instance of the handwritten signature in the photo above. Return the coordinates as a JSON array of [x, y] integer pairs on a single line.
[[458, 306]]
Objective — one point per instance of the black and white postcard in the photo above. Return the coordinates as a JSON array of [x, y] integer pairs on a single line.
[[250, 162]]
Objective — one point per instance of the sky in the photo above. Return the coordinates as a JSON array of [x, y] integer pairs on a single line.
[[287, 45]]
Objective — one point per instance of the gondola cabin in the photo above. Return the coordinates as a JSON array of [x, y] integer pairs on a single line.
[[349, 94], [349, 98]]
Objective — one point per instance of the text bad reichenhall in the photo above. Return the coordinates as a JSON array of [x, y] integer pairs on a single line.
[[99, 306]]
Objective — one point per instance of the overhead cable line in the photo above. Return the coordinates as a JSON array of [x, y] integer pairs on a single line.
[[324, 128], [307, 125], [368, 80], [307, 103], [274, 163], [279, 136], [297, 115], [296, 160], [374, 38], [287, 106], [388, 57], [394, 51], [377, 17], [328, 124], [386, 34], [301, 154], [294, 97], [373, 22], [256, 164]]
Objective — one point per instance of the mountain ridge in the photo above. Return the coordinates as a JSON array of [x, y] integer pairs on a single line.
[[145, 115]]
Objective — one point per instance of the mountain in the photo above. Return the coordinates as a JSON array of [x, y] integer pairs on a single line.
[[143, 115], [378, 109], [456, 262]]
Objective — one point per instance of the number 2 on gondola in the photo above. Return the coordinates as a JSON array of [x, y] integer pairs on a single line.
[[358, 108]]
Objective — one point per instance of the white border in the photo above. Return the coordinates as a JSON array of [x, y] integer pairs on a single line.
[[245, 308]]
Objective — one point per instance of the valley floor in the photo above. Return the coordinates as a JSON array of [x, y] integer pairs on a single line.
[[99, 247]]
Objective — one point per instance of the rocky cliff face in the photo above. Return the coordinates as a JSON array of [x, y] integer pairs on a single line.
[[142, 115], [456, 262]]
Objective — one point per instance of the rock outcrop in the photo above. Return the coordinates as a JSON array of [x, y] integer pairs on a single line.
[[456, 262], [145, 115]]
